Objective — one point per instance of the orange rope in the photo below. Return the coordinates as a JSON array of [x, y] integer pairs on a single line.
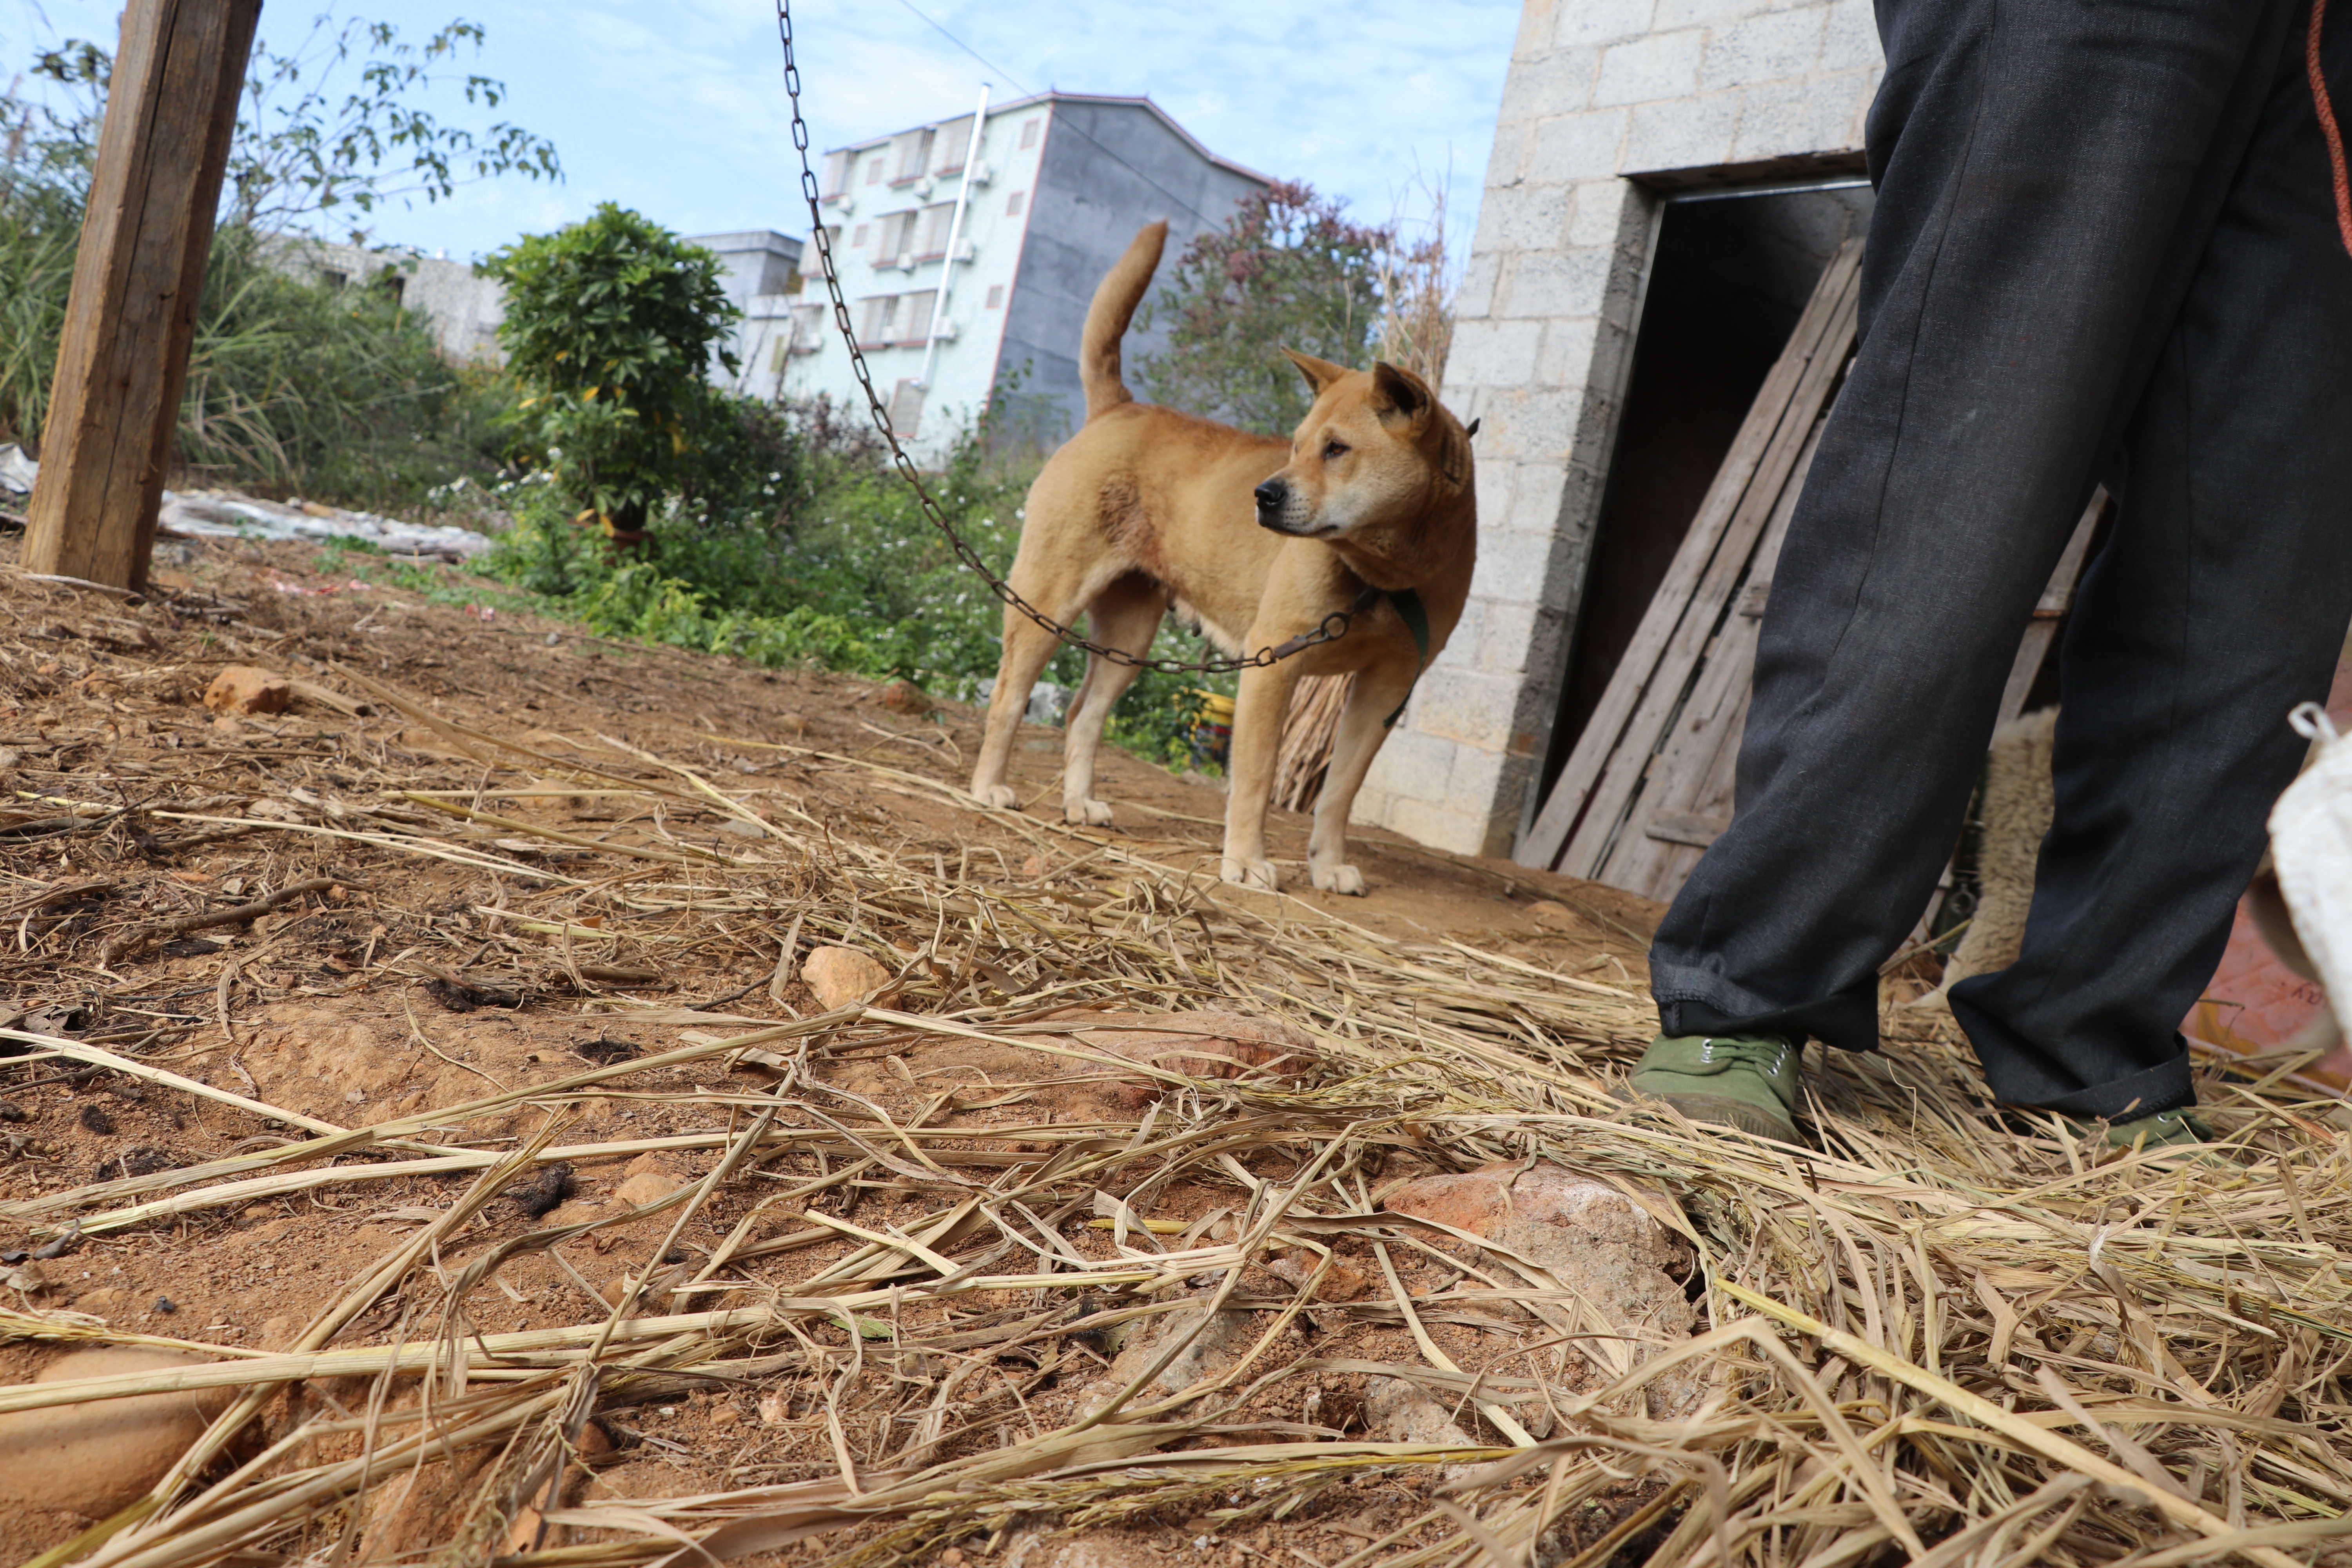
[[2327, 127]]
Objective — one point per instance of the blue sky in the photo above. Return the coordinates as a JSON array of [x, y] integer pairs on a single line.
[[676, 108]]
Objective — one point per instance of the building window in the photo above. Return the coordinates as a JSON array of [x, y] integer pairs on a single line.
[[895, 239], [331, 279], [857, 237], [995, 296], [1029, 133], [906, 409], [808, 328], [1012, 204], [937, 220], [915, 315], [873, 331], [836, 173], [914, 156], [874, 170], [954, 142]]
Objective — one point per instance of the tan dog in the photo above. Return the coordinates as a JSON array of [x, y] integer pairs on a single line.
[[1145, 507]]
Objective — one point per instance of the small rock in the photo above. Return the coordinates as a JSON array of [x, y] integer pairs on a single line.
[[841, 975], [244, 689], [1341, 1282], [97, 1121], [648, 1179], [1593, 1238], [905, 697], [1401, 1412], [1034, 867], [594, 1442], [11, 1111], [165, 1305], [1551, 914], [737, 827], [96, 1457], [795, 725], [1220, 1343]]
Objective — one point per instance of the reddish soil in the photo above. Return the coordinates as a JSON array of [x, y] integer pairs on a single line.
[[340, 1004]]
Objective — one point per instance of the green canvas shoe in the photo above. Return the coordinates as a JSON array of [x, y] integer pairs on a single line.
[[2175, 1135], [1747, 1081]]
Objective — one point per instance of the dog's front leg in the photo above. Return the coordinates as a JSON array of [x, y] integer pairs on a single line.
[[1027, 646], [1375, 696], [1258, 710]]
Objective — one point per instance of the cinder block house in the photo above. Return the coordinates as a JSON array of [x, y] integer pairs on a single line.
[[1668, 179]]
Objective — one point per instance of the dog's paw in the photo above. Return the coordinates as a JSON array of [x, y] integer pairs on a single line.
[[1087, 813], [1250, 873], [1001, 797], [1338, 880]]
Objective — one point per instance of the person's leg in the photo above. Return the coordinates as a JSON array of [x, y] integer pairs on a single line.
[[2048, 174], [2220, 602]]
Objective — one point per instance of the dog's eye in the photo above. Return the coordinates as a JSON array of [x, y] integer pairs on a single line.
[[1332, 449]]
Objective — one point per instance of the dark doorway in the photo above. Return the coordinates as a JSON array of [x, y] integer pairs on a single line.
[[1728, 277]]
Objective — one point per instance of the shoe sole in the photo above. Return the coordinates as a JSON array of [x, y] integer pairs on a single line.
[[1720, 1110]]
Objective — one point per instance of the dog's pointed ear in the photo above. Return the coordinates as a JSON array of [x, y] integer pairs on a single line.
[[1319, 372], [1403, 391]]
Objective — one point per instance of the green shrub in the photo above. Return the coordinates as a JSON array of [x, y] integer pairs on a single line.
[[611, 323]]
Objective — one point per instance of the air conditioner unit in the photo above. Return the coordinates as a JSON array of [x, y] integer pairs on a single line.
[[981, 173], [842, 201], [906, 262], [924, 186], [963, 250], [947, 331]]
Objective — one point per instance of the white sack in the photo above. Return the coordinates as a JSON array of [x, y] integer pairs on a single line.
[[2311, 845]]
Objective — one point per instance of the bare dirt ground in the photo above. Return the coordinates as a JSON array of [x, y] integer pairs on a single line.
[[396, 988], [541, 1102]]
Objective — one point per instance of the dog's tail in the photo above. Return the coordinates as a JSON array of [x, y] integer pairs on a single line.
[[1122, 290]]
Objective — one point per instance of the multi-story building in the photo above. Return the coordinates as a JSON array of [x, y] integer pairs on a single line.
[[1051, 194]]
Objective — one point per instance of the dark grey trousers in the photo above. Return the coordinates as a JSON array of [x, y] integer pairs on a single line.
[[2104, 249]]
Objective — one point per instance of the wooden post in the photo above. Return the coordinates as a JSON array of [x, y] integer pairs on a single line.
[[123, 357]]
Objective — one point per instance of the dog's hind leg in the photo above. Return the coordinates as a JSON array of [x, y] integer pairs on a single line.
[[1377, 693], [1124, 616]]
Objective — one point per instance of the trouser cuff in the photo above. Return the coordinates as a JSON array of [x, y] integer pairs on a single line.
[[1848, 1021], [2020, 1074]]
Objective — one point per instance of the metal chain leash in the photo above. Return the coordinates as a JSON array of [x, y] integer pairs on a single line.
[[1334, 625]]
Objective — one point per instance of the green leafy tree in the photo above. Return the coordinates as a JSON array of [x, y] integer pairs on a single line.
[[1288, 271], [611, 324], [328, 131], [292, 386]]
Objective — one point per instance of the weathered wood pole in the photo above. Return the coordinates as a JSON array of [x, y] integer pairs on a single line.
[[137, 275]]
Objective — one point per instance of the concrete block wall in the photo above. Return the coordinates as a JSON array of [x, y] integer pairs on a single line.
[[1598, 91]]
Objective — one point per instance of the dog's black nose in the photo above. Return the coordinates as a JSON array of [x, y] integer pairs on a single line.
[[1271, 495]]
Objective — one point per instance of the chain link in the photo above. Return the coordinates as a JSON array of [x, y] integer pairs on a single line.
[[1334, 625]]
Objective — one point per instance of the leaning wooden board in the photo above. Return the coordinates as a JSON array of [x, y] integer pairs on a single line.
[[1585, 812], [1686, 790]]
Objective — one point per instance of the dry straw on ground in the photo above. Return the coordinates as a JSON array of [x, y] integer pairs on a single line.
[[1943, 1336]]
